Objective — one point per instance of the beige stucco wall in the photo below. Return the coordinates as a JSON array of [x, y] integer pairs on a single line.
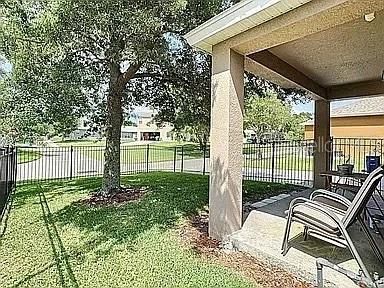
[[225, 189], [353, 127]]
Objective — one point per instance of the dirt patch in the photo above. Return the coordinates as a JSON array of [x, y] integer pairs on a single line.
[[194, 233], [124, 195]]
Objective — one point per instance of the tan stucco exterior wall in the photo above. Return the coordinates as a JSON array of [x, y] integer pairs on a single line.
[[225, 189], [353, 127]]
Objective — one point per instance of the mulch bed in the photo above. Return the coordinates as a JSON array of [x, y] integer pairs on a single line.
[[124, 195], [195, 234]]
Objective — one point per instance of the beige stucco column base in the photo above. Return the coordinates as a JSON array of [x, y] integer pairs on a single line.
[[322, 142], [225, 190]]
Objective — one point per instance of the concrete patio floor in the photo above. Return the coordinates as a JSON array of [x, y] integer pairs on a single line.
[[262, 233]]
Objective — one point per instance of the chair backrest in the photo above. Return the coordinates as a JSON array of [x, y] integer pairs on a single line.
[[362, 197]]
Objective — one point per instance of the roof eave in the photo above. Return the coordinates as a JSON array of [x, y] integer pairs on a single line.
[[237, 19]]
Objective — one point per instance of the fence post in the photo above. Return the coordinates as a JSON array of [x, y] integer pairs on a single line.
[[174, 159], [15, 167], [6, 172], [204, 155], [71, 163], [182, 159], [331, 153], [273, 160], [147, 167]]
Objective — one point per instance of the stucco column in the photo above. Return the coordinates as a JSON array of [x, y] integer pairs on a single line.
[[225, 190], [322, 142]]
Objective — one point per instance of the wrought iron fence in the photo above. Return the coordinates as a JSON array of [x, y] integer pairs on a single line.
[[355, 150], [278, 161], [7, 175], [50, 163]]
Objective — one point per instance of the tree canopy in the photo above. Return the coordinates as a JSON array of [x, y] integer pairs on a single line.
[[79, 55], [272, 116], [75, 57]]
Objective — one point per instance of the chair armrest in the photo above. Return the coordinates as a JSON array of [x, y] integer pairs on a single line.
[[331, 196], [316, 206]]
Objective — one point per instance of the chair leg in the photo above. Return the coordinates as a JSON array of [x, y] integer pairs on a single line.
[[320, 278], [286, 235], [374, 246], [305, 233], [356, 255]]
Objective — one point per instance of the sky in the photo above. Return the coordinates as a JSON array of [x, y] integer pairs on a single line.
[[309, 107]]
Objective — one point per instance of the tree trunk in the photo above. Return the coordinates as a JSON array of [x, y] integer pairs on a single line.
[[111, 176]]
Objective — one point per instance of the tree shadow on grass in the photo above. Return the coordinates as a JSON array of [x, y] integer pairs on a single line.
[[25, 192], [64, 269], [170, 197], [60, 256]]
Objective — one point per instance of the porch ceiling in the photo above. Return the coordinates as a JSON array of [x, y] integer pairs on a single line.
[[341, 62], [323, 46], [348, 53]]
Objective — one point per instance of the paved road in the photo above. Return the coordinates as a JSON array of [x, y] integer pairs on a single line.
[[58, 163]]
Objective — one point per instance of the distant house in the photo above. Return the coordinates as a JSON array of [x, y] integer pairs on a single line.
[[360, 119], [147, 130], [144, 130]]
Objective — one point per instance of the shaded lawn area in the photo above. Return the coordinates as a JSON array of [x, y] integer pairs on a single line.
[[52, 240], [24, 156]]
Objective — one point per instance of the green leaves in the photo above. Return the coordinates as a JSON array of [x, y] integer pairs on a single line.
[[271, 115], [61, 51]]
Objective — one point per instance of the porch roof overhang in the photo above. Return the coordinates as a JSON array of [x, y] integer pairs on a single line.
[[325, 47]]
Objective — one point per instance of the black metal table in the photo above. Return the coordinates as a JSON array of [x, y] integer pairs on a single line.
[[356, 178]]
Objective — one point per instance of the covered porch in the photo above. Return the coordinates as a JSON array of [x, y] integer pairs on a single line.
[[330, 48], [262, 233]]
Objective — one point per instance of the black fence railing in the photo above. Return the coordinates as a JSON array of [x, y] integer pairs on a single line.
[[50, 163], [7, 175], [355, 151], [279, 161]]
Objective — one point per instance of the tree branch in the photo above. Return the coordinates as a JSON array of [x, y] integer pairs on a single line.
[[146, 75], [89, 52], [129, 74], [29, 40]]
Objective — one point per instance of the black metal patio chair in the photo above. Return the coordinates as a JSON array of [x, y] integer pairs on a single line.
[[329, 220]]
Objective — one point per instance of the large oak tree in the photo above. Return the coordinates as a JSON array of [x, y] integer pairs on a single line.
[[90, 51]]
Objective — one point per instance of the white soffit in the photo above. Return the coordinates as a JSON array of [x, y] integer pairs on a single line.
[[237, 19]]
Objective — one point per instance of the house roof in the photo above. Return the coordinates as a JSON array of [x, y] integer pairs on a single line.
[[365, 107], [370, 106], [239, 18]]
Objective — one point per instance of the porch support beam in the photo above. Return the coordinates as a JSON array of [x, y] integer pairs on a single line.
[[285, 70], [225, 190], [322, 151], [354, 90]]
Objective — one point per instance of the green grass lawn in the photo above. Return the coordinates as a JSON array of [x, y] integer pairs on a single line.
[[51, 240], [67, 143], [124, 142], [24, 156], [157, 152], [284, 162]]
